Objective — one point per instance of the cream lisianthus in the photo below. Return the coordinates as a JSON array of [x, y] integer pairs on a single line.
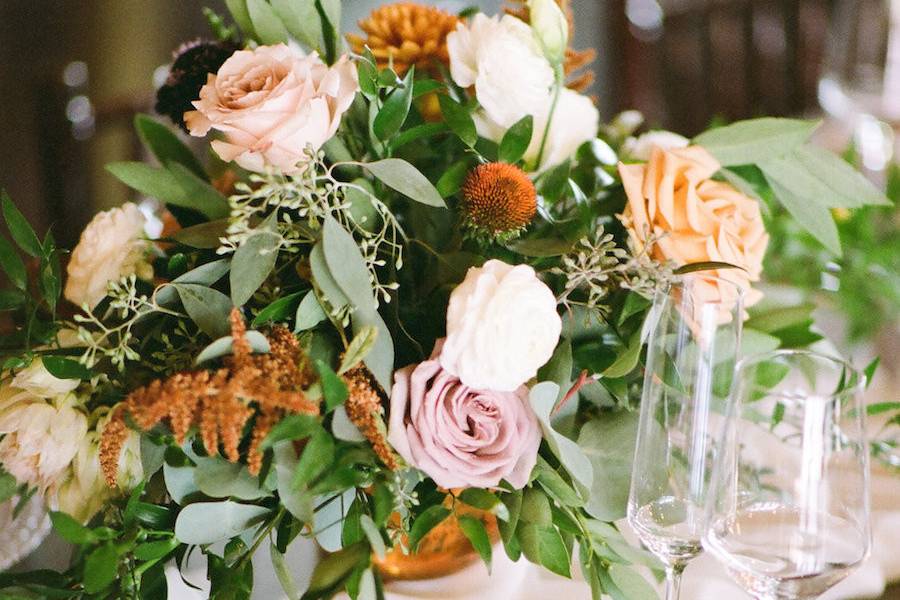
[[502, 326], [551, 28], [84, 490], [502, 60], [112, 246], [40, 437]]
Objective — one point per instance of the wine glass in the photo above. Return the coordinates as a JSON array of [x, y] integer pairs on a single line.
[[789, 508], [694, 330]]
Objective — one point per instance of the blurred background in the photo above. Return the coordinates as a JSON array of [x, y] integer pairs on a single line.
[[73, 73]]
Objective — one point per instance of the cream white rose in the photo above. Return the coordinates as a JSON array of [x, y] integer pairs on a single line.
[[272, 104], [575, 121], [502, 326], [551, 28], [40, 438], [641, 147], [501, 58], [37, 380], [112, 246]]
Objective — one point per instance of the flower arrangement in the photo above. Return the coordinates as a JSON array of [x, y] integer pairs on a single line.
[[408, 282]]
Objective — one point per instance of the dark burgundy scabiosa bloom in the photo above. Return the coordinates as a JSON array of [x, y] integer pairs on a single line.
[[194, 62]]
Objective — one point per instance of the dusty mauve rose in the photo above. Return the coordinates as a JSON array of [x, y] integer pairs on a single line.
[[459, 436], [694, 218], [112, 246], [272, 103]]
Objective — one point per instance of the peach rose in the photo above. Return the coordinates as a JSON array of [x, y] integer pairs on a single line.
[[693, 218], [272, 103]]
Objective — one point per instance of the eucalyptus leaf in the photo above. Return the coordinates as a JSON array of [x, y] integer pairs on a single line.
[[204, 235], [347, 266], [208, 308], [283, 573], [360, 346], [631, 584], [208, 522], [238, 10], [298, 502], [252, 263], [755, 140], [174, 185], [849, 188], [206, 274], [224, 345], [267, 25], [165, 145], [609, 444], [219, 478], [399, 175], [543, 398], [325, 281], [309, 313], [343, 428]]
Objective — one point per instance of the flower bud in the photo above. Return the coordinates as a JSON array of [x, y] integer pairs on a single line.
[[551, 29]]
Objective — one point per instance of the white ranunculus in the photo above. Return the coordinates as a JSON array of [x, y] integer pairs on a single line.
[[112, 246], [640, 147], [502, 326], [84, 489], [37, 380], [501, 58], [575, 121], [40, 438], [551, 28]]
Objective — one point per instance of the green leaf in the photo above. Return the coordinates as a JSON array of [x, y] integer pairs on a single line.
[[555, 485], [882, 407], [770, 321], [208, 522], [330, 15], [430, 518], [206, 307], [283, 573], [609, 444], [299, 502], [252, 263], [309, 313], [453, 178], [65, 368], [69, 529], [100, 568], [334, 389], [204, 235], [359, 347], [268, 27], [165, 145], [425, 130], [13, 265], [8, 485], [484, 500], [291, 427], [302, 21], [380, 359], [399, 175], [870, 370], [11, 299], [373, 535], [850, 189], [241, 16], [347, 265], [393, 113], [219, 478], [543, 545], [22, 233], [755, 140], [459, 119], [333, 568], [516, 140], [808, 210], [155, 550], [541, 247], [631, 584], [628, 360], [278, 311], [710, 265], [174, 185], [475, 531], [331, 291], [543, 398], [316, 457]]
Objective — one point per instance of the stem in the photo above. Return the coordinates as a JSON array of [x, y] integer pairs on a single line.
[[557, 87], [673, 580], [262, 536]]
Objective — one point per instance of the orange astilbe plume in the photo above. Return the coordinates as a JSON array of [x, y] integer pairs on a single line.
[[262, 387], [576, 60], [365, 410], [407, 34]]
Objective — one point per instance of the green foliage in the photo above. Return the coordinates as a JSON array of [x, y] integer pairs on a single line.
[[516, 140], [399, 175], [755, 140], [173, 184]]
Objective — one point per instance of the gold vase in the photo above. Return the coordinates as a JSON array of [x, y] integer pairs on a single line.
[[443, 551]]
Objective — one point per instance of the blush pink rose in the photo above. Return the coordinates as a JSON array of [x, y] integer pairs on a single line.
[[272, 103], [459, 436]]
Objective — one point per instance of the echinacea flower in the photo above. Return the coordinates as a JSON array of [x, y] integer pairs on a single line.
[[498, 200]]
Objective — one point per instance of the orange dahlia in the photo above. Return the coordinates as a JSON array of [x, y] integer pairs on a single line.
[[407, 34], [498, 201]]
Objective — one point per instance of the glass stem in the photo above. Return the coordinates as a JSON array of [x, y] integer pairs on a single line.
[[673, 580]]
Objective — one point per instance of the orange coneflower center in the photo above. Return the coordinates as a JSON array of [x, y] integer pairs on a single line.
[[498, 198]]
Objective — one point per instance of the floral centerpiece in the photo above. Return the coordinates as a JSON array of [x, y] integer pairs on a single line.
[[404, 288]]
